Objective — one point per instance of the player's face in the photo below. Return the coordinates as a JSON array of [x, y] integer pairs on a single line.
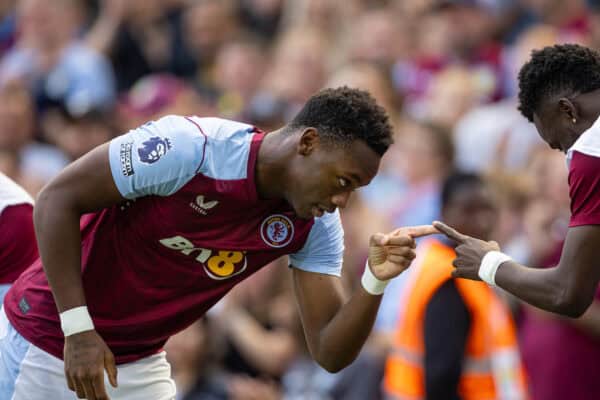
[[472, 211], [324, 179], [555, 126]]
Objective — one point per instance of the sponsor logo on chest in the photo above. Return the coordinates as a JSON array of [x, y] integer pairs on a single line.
[[201, 205]]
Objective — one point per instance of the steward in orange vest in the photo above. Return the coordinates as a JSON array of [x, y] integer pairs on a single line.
[[480, 358]]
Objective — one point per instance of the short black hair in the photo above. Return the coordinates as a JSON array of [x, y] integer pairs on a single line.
[[457, 181], [555, 69], [343, 115]]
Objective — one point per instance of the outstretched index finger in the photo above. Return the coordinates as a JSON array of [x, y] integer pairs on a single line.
[[450, 232]]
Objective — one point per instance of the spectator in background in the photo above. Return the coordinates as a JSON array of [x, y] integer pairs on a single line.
[[262, 16], [425, 154], [140, 37], [384, 43], [300, 53], [484, 135], [195, 356], [454, 338], [75, 134], [55, 65], [451, 93], [240, 66], [7, 25], [207, 26], [32, 163], [158, 95]]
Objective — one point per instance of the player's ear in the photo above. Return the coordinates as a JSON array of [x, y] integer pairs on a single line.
[[309, 141], [568, 109]]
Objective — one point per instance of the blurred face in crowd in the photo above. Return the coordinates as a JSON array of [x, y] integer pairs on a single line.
[[240, 67], [325, 174], [80, 136], [298, 69], [549, 176], [420, 156], [453, 92], [17, 117], [366, 77], [145, 11], [207, 25], [471, 209], [382, 43], [48, 23]]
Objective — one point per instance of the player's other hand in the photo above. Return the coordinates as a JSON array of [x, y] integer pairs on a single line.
[[391, 253], [469, 252], [86, 357]]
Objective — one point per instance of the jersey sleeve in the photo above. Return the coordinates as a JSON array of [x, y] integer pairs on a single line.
[[158, 158], [323, 251], [584, 189]]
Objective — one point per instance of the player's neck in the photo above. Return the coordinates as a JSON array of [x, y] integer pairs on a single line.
[[272, 165]]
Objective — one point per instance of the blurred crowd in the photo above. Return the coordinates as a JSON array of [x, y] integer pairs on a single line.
[[75, 73]]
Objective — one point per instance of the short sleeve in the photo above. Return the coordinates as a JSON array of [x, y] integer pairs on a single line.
[[323, 251], [158, 158], [584, 189]]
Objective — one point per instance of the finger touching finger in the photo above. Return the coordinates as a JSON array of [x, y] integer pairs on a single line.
[[418, 231], [422, 230], [450, 232]]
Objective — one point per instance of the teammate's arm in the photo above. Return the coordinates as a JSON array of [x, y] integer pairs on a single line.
[[566, 289], [336, 327], [84, 186]]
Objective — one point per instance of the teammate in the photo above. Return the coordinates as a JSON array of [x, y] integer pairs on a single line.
[[178, 212], [559, 91], [18, 249]]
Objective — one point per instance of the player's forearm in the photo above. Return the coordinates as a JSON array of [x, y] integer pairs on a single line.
[[343, 337], [59, 242], [545, 288]]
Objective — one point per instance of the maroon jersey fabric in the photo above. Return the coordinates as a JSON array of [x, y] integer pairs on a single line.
[[584, 189], [18, 248], [153, 265]]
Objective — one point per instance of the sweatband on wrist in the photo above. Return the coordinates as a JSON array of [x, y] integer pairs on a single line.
[[371, 284], [76, 320], [489, 265]]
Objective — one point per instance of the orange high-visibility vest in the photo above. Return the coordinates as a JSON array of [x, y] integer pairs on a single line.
[[491, 366]]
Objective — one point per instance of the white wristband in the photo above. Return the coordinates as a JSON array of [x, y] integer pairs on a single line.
[[370, 283], [76, 320], [489, 265]]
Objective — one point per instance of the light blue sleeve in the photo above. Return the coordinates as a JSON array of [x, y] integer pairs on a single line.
[[158, 158], [323, 251]]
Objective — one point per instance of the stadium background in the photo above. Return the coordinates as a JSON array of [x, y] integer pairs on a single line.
[[74, 73]]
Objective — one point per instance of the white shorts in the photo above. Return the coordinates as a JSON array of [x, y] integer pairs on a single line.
[[29, 373]]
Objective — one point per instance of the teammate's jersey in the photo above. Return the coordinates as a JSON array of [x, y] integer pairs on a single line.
[[192, 227], [18, 248], [583, 159]]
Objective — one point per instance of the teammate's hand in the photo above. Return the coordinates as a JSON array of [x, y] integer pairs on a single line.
[[86, 357], [391, 253], [469, 252]]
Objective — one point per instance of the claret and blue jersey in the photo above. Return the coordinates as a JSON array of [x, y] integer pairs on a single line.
[[191, 227]]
